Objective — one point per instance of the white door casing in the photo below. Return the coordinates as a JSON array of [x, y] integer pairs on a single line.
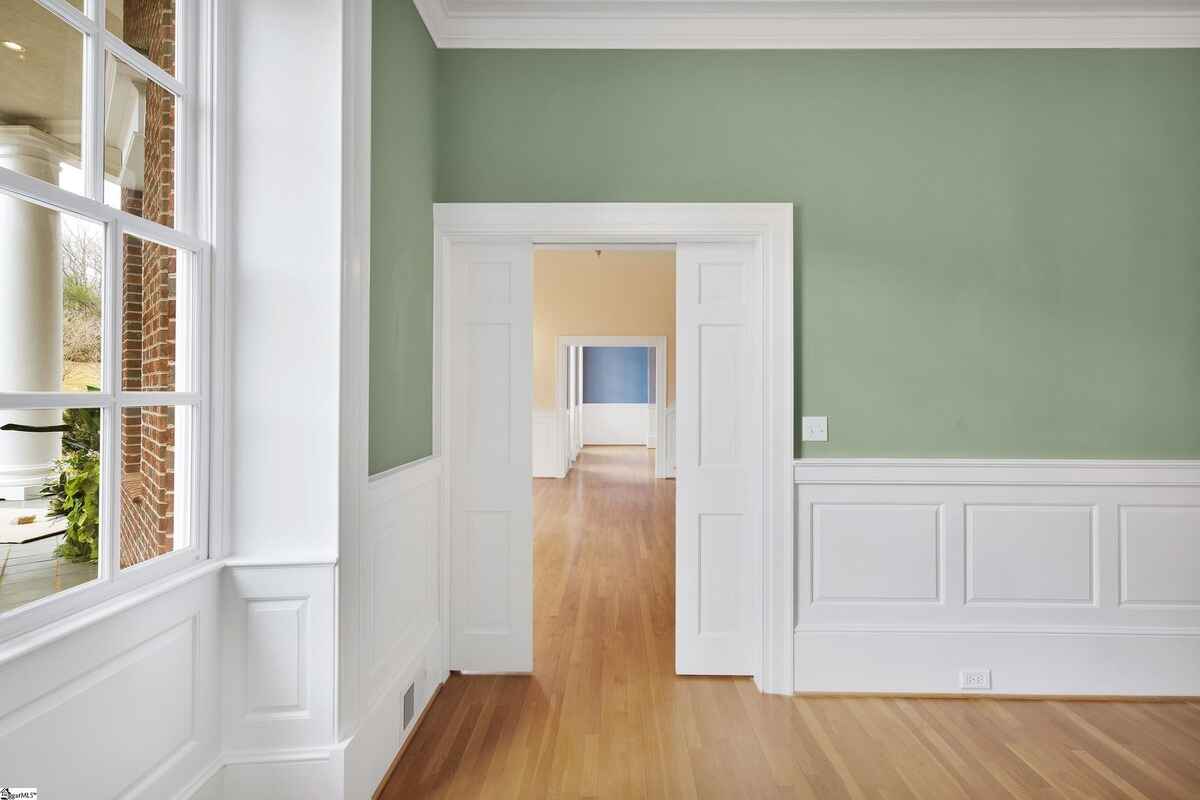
[[491, 386], [719, 421], [766, 229]]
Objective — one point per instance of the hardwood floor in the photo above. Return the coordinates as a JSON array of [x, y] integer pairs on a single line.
[[604, 715]]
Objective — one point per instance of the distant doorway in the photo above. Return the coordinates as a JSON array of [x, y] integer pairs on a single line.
[[588, 414]]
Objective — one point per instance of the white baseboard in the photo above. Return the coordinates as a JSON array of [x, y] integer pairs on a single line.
[[352, 768], [1061, 577], [369, 752], [298, 775], [1034, 662]]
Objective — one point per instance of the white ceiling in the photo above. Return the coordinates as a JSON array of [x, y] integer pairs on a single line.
[[812, 24]]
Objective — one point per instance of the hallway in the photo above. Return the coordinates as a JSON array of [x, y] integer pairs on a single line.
[[604, 714]]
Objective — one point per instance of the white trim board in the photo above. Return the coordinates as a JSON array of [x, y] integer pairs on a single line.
[[1062, 577], [997, 471], [812, 24], [354, 377], [769, 227]]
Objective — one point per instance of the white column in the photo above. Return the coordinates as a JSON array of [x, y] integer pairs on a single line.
[[30, 312]]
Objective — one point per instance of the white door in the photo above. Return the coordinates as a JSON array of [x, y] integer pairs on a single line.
[[719, 421], [491, 372]]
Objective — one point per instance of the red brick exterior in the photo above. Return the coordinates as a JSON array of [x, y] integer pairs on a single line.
[[148, 306]]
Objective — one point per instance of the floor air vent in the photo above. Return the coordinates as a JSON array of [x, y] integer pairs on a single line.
[[410, 704]]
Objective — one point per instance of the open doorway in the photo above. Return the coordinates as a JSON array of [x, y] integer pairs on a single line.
[[603, 352], [732, 497], [609, 391]]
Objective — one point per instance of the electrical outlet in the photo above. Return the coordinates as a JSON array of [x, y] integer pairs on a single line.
[[975, 679], [814, 429]]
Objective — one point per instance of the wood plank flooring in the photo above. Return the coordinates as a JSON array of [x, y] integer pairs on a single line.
[[604, 715]]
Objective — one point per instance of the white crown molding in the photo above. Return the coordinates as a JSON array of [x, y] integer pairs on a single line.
[[812, 24]]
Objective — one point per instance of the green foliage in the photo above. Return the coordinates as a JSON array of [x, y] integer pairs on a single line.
[[75, 493], [79, 294], [76, 496], [85, 428]]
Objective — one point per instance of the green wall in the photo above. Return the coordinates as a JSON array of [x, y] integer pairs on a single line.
[[404, 66], [998, 253]]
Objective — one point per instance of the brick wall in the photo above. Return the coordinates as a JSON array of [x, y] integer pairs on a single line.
[[148, 306]]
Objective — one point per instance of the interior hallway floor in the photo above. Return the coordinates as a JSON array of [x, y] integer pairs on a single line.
[[604, 714]]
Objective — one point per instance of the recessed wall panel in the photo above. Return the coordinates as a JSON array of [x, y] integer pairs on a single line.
[[720, 392], [1160, 555], [876, 553], [1030, 553], [111, 726], [720, 283], [720, 573], [275, 655], [488, 592], [490, 282], [488, 394]]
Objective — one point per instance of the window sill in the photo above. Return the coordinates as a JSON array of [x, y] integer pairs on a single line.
[[25, 643]]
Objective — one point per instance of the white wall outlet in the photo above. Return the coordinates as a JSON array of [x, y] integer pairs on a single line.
[[814, 429], [975, 679]]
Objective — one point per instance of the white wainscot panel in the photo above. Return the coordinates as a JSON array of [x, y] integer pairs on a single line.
[[1160, 555], [402, 630], [124, 707], [276, 632], [614, 423], [1059, 577], [278, 676], [401, 581], [876, 553], [151, 683], [1031, 554]]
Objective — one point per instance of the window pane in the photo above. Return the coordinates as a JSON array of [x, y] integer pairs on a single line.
[[147, 26], [49, 502], [139, 136], [152, 524], [41, 91], [51, 265], [151, 275]]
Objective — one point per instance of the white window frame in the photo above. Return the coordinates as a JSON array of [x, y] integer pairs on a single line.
[[199, 148]]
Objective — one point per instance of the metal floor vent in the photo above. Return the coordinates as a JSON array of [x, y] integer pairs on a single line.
[[410, 704]]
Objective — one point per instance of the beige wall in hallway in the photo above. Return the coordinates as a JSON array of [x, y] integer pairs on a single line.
[[618, 293]]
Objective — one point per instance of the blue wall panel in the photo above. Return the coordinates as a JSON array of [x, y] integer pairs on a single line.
[[616, 375]]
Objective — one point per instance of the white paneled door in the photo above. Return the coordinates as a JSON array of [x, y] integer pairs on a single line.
[[719, 460], [491, 380]]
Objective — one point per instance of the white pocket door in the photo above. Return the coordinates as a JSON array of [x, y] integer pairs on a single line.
[[491, 380], [719, 491]]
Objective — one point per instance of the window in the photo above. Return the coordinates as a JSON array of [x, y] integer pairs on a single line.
[[105, 123]]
